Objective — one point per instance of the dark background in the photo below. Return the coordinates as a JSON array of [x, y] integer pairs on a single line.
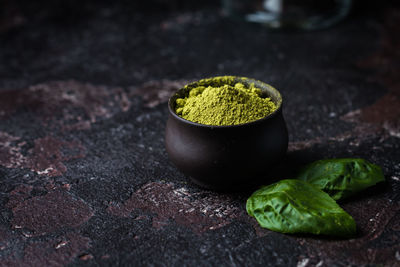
[[84, 176], [44, 40]]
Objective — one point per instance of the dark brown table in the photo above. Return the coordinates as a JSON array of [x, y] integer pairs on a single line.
[[84, 176]]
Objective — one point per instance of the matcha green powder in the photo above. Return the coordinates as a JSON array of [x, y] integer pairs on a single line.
[[224, 105]]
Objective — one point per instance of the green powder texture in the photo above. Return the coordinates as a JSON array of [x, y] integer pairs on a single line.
[[227, 104]]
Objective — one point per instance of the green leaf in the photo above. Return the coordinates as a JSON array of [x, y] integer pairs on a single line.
[[341, 178], [294, 206]]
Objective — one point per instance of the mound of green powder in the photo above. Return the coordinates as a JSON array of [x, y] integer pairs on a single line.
[[224, 105]]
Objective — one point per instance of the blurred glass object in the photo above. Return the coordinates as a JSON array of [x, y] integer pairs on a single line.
[[299, 14]]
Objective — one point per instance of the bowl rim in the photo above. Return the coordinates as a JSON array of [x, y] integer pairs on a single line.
[[248, 80]]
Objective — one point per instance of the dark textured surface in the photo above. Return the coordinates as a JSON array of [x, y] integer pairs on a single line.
[[84, 176]]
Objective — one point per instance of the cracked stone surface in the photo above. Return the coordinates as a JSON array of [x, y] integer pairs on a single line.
[[84, 175]]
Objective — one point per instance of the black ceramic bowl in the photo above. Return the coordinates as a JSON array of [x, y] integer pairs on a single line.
[[227, 157]]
